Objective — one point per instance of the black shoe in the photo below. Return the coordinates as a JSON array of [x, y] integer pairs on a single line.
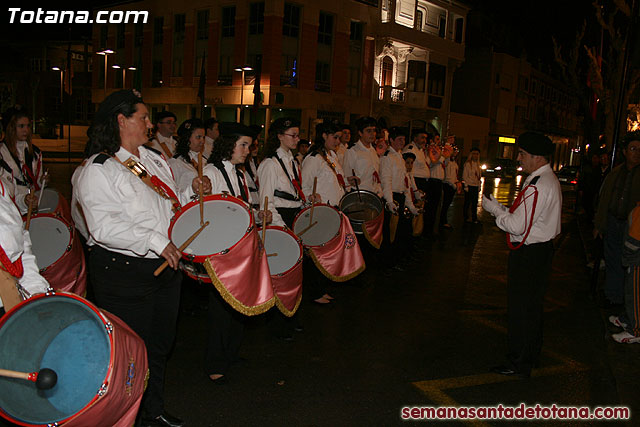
[[509, 371], [164, 420]]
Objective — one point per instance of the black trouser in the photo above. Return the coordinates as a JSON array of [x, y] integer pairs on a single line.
[[434, 193], [470, 202], [447, 197], [529, 270], [226, 328], [126, 287], [288, 215], [394, 252]]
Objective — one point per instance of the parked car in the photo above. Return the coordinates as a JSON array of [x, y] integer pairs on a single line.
[[501, 168]]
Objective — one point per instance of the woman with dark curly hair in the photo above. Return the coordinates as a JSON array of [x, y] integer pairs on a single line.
[[189, 147], [128, 196], [20, 158], [279, 173]]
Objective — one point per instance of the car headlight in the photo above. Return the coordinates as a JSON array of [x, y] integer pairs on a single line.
[[483, 167], [519, 168], [498, 168]]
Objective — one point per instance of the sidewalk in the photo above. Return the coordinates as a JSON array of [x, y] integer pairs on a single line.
[[623, 359]]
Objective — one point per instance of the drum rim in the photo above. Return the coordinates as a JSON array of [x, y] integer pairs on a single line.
[[297, 239], [221, 196], [72, 232], [309, 207], [107, 325], [359, 221]]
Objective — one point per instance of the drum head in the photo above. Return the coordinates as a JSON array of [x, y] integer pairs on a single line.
[[361, 206], [50, 238], [229, 223], [60, 333], [287, 248], [327, 227], [49, 202]]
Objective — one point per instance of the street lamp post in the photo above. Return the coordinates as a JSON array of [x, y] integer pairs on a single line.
[[242, 70], [61, 97], [124, 70], [105, 53]]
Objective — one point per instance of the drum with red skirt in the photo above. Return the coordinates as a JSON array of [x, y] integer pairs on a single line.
[[52, 201], [227, 253], [100, 363], [58, 253]]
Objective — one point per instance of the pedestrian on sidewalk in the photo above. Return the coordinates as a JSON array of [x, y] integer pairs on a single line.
[[532, 222]]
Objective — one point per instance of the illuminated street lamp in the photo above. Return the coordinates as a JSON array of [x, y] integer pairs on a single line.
[[124, 70], [242, 69], [105, 53], [61, 97]]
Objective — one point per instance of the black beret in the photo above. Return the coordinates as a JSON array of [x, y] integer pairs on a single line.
[[535, 143], [631, 136], [365, 122], [397, 131], [113, 103], [474, 149], [235, 129], [165, 114], [282, 124]]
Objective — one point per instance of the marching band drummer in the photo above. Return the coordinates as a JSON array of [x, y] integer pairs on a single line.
[[128, 196], [184, 163], [20, 158], [362, 157], [16, 257], [279, 173], [226, 325]]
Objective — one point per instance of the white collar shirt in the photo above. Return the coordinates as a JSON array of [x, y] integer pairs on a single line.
[[547, 215], [122, 213], [328, 184], [168, 141], [450, 172], [366, 164], [471, 173], [16, 243], [208, 147], [272, 178], [420, 168], [20, 180], [341, 150], [185, 171], [436, 169], [393, 175]]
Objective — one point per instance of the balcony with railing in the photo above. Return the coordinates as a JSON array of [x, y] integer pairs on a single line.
[[391, 94]]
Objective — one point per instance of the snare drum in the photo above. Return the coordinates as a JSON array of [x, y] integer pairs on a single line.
[[327, 224], [230, 222], [54, 202], [227, 253], [284, 255], [360, 207], [58, 253], [100, 362]]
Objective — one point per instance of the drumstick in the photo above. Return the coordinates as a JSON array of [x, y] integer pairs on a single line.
[[307, 229], [357, 188], [273, 254], [29, 210], [264, 218], [200, 189], [181, 248], [313, 194], [45, 379], [43, 185]]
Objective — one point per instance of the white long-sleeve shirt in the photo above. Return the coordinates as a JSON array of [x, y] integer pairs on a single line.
[[16, 243], [169, 142], [436, 169], [341, 150], [122, 213], [184, 171], [76, 210], [392, 174], [328, 184], [366, 164], [450, 172], [208, 147], [471, 174], [420, 168], [547, 216], [272, 177], [20, 179], [219, 184]]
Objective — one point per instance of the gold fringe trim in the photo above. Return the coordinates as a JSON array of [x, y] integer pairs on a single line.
[[369, 238], [331, 276], [284, 310], [231, 300]]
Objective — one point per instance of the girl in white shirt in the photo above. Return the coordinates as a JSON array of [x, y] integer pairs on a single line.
[[184, 163]]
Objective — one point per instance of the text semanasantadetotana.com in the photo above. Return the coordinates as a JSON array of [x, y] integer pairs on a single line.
[[521, 412]]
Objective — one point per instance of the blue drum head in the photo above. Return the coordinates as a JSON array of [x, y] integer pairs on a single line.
[[60, 333]]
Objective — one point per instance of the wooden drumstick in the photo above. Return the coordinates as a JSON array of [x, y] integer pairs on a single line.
[[29, 210], [307, 228], [264, 218], [45, 378], [181, 248], [201, 189], [313, 203], [353, 171]]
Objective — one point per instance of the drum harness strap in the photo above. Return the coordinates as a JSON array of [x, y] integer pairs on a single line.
[[295, 181], [244, 191], [152, 181], [333, 168], [521, 200], [13, 268]]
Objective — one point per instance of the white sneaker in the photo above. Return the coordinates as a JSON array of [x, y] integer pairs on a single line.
[[625, 337], [617, 322]]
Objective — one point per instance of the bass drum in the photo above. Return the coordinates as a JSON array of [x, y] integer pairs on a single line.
[[360, 207], [100, 362]]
